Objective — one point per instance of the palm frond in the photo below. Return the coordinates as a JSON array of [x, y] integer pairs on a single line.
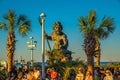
[[82, 24], [24, 29], [98, 32], [10, 17], [92, 18], [2, 25], [27, 23], [9, 14], [21, 18], [106, 27], [104, 35], [107, 22]]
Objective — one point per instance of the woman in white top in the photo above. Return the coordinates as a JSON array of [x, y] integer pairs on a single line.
[[108, 76]]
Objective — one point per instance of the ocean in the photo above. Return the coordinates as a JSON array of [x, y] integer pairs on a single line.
[[102, 63]]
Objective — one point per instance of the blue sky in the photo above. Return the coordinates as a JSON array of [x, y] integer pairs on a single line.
[[67, 12]]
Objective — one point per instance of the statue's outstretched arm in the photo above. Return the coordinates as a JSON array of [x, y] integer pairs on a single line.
[[48, 37]]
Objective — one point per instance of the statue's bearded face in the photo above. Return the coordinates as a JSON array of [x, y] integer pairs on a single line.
[[57, 29]]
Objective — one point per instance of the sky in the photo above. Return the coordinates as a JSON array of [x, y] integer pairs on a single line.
[[68, 13]]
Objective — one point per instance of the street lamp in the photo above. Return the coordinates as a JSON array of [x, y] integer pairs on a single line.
[[41, 20], [31, 46]]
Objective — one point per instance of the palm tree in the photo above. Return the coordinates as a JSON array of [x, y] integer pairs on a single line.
[[93, 33], [14, 22]]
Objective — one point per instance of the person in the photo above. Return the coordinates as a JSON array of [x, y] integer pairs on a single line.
[[53, 74], [12, 75], [58, 37], [97, 73], [48, 73], [36, 74], [88, 76], [80, 75], [118, 73], [20, 74], [108, 75], [72, 74], [30, 75]]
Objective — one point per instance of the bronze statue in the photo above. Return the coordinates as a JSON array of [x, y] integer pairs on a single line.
[[58, 37], [60, 40]]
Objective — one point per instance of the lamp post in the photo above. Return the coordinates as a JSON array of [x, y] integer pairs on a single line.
[[42, 19], [31, 46]]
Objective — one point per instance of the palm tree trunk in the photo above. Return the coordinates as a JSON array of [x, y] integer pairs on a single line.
[[97, 58], [90, 50], [10, 49], [97, 53], [90, 60]]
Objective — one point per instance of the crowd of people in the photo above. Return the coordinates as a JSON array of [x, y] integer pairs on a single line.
[[53, 74], [81, 74], [99, 74], [31, 74], [22, 74]]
